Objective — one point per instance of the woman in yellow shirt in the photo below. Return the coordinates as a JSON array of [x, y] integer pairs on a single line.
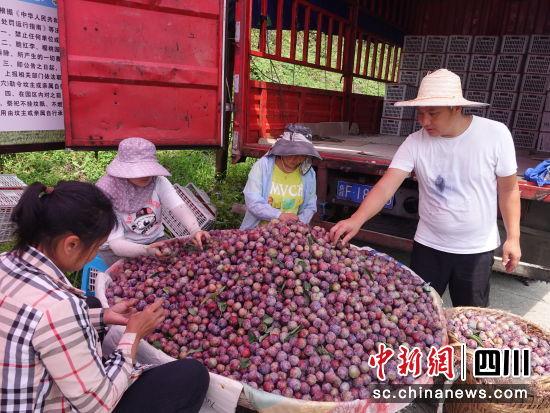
[[282, 184]]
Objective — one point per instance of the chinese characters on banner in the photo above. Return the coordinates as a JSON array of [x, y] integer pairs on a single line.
[[30, 72]]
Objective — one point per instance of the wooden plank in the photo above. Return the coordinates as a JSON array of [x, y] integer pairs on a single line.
[[305, 47], [279, 33]]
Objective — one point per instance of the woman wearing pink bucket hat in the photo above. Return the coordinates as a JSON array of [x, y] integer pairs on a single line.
[[136, 184], [466, 170]]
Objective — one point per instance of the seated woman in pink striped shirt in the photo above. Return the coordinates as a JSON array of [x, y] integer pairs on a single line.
[[49, 337]]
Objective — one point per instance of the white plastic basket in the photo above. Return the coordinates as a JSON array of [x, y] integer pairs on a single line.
[[457, 62], [485, 44], [525, 139], [198, 202], [540, 44], [436, 44], [534, 83], [433, 61], [514, 44], [543, 144], [11, 189], [506, 82], [509, 63], [531, 102], [504, 116], [479, 81], [459, 44], [504, 100], [414, 44]]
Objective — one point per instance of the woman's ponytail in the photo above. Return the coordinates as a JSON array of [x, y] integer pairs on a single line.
[[79, 208]]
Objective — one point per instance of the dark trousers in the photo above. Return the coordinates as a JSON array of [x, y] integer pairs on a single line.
[[466, 274], [176, 387]]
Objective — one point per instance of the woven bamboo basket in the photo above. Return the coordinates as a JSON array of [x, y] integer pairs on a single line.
[[538, 387]]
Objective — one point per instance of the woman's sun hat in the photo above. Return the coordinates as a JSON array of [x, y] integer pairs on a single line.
[[136, 158], [295, 140], [440, 88]]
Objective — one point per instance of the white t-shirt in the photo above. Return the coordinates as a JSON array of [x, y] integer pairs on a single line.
[[457, 181], [145, 226]]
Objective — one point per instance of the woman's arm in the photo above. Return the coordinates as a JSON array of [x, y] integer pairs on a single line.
[[255, 203], [68, 350], [309, 207]]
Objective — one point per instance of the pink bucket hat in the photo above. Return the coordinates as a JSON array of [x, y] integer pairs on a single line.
[[136, 158]]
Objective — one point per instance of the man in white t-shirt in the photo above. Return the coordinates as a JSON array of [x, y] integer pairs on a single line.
[[466, 169]]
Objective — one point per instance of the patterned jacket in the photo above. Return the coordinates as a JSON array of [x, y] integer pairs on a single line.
[[50, 351]]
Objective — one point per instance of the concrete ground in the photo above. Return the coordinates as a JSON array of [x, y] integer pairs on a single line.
[[531, 301], [525, 298]]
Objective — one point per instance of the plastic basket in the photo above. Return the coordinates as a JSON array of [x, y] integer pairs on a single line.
[[11, 189], [414, 44], [457, 62], [543, 143], [400, 92], [506, 82], [479, 81], [514, 44], [482, 63], [545, 122], [503, 100], [433, 61], [463, 78], [503, 116], [530, 102], [524, 139], [397, 112], [482, 112], [538, 64], [436, 44], [409, 77], [509, 63], [485, 44], [540, 44], [533, 83], [204, 215], [411, 61], [477, 96], [459, 44], [527, 120], [89, 275], [396, 127]]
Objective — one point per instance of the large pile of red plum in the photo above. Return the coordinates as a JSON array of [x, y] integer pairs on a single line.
[[282, 309]]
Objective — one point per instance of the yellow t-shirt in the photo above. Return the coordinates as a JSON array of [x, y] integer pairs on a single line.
[[287, 190]]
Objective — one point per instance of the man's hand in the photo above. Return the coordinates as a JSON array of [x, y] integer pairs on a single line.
[[288, 217], [200, 237], [347, 228], [119, 313], [511, 253]]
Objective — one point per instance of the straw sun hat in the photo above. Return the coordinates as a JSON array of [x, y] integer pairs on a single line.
[[440, 88]]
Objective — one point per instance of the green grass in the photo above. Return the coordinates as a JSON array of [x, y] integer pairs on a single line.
[[197, 166]]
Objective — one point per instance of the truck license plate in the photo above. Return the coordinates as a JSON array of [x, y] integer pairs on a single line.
[[353, 192]]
